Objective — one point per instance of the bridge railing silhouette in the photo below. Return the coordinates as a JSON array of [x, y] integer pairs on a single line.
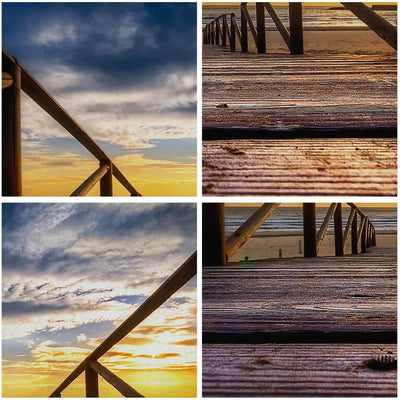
[[17, 78], [219, 30], [90, 364], [218, 251]]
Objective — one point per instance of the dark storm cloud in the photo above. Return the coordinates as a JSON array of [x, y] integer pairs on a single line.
[[125, 43]]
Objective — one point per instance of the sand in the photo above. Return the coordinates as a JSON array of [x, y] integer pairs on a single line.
[[328, 41], [265, 246]]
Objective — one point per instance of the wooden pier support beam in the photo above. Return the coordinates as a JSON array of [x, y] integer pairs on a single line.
[[364, 223], [296, 28], [224, 30], [214, 234], [11, 131], [310, 229], [260, 14], [337, 218], [243, 28], [374, 21], [91, 381], [233, 33], [354, 244], [106, 181]]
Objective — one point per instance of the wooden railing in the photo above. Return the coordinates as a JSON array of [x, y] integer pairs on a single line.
[[219, 31], [217, 250], [90, 364], [17, 78]]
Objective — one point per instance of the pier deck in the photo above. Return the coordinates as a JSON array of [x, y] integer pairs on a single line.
[[326, 102], [300, 326]]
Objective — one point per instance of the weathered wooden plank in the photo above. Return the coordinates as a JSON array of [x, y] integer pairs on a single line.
[[327, 294], [262, 370], [332, 166], [282, 93]]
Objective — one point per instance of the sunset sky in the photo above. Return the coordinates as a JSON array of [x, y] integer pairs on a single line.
[[73, 272], [127, 73]]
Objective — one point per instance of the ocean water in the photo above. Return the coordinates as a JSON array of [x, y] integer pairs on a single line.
[[323, 17], [290, 219]]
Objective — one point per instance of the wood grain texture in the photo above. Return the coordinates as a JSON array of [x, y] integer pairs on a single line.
[[330, 166], [282, 92], [327, 294], [248, 370]]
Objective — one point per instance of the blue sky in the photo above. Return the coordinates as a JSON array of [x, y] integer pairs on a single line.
[[72, 272], [125, 71]]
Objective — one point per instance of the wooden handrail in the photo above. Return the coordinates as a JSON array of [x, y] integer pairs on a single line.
[[181, 276], [247, 229], [88, 184], [47, 102]]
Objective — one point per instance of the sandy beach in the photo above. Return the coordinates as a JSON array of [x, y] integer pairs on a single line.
[[329, 41], [262, 246]]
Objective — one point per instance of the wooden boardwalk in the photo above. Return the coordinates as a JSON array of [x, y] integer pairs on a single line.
[[248, 98], [301, 326]]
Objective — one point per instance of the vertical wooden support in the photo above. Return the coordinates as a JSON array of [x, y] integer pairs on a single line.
[[213, 234], [373, 237], [337, 218], [354, 246], [224, 26], [363, 236], [296, 28], [106, 182], [310, 229], [233, 33], [243, 28], [91, 382], [11, 142], [217, 28], [212, 33], [260, 14]]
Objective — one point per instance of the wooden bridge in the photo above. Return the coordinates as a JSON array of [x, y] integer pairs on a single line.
[[296, 124], [16, 78], [312, 326]]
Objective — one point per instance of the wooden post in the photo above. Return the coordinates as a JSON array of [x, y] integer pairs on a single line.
[[213, 234], [91, 381], [374, 21], [233, 33], [11, 142], [243, 28], [337, 218], [373, 238], [296, 28], [310, 229], [363, 236], [354, 246], [224, 23], [217, 28], [106, 182], [212, 33], [260, 13]]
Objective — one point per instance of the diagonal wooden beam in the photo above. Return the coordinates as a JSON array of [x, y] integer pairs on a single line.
[[374, 21], [247, 229], [325, 225], [348, 226]]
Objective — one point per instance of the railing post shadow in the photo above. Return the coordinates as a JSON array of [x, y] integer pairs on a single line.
[[91, 381], [354, 245], [213, 234], [106, 181], [243, 28], [260, 14], [310, 229], [11, 135], [296, 28], [337, 218]]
